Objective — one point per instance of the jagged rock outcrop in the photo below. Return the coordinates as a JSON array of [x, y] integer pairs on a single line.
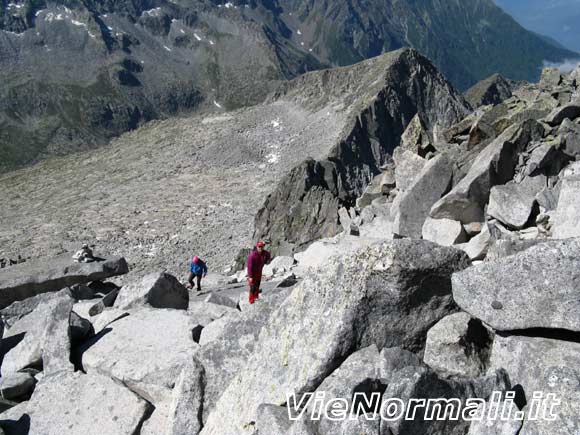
[[305, 205], [493, 90], [494, 165]]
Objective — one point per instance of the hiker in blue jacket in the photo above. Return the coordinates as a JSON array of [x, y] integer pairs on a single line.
[[197, 269]]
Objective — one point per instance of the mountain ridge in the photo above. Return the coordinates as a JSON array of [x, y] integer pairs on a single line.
[[77, 73]]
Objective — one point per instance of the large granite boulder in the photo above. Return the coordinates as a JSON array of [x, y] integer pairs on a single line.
[[536, 288], [393, 292], [40, 338], [458, 345], [41, 276], [494, 165], [412, 209], [158, 290], [145, 351], [546, 366], [75, 403]]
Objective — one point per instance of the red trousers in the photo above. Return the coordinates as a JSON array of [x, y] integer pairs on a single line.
[[254, 289]]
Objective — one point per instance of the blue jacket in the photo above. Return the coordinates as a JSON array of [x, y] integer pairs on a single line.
[[198, 269]]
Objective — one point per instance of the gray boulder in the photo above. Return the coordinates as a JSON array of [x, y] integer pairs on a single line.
[[158, 290], [512, 203], [547, 366], [107, 301], [478, 246], [421, 383], [444, 232], [458, 345], [42, 276], [393, 292], [570, 111], [535, 288], [40, 338], [75, 403], [567, 216], [17, 386], [145, 350], [412, 209], [494, 165]]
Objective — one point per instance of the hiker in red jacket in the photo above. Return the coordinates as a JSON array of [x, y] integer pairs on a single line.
[[257, 259]]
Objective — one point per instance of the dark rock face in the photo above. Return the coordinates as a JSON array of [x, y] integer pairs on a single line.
[[305, 205]]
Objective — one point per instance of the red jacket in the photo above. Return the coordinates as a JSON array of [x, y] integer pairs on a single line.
[[256, 262]]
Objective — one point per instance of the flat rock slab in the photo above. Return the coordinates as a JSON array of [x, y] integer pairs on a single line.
[[536, 288], [49, 275], [73, 404], [145, 350]]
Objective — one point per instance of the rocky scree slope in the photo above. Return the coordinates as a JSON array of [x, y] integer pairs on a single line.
[[193, 185], [74, 74], [456, 316]]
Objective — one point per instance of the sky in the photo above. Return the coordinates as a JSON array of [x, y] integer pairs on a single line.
[[559, 19]]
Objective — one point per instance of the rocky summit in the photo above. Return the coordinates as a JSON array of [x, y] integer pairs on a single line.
[[424, 245]]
